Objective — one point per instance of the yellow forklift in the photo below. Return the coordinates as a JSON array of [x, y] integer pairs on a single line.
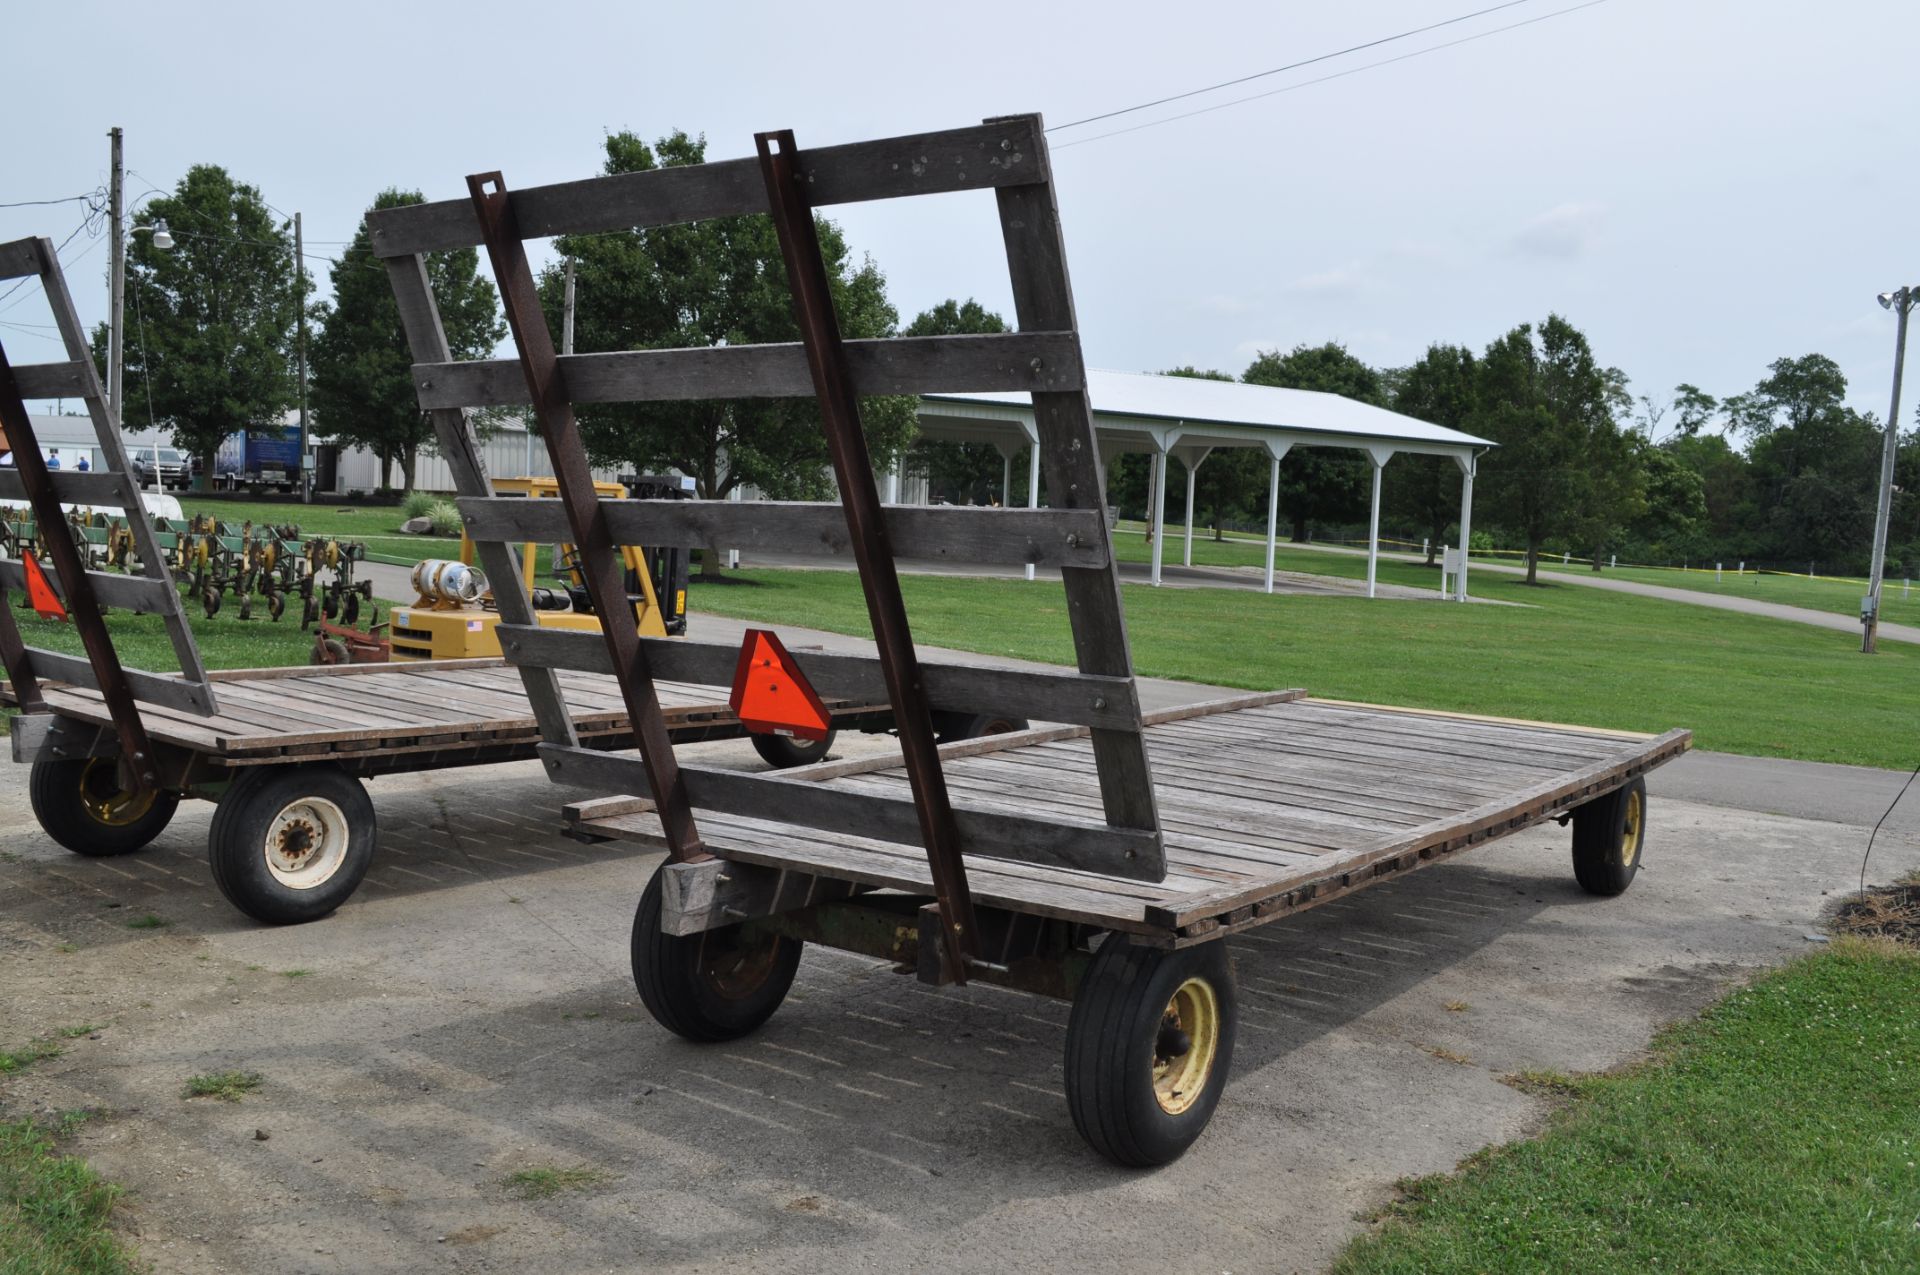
[[454, 617]]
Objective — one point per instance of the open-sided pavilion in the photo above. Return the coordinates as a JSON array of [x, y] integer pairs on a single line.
[[1188, 418]]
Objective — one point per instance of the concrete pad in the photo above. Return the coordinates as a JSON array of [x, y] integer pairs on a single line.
[[470, 1014]]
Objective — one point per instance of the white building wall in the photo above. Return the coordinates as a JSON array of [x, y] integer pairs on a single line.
[[506, 454]]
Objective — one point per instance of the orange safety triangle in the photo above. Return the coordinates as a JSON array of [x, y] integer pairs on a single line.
[[770, 694], [46, 603]]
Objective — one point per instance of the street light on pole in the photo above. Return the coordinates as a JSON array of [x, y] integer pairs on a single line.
[[1901, 301]]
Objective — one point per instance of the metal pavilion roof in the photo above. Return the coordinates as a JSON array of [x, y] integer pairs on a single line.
[[1228, 412]]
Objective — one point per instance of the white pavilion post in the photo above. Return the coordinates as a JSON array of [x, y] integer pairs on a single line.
[[1380, 455], [893, 481], [1191, 458], [1006, 477], [1468, 463], [1276, 451], [1033, 487], [1156, 514]]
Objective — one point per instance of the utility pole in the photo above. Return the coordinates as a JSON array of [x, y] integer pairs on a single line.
[[116, 281], [1900, 301], [300, 291]]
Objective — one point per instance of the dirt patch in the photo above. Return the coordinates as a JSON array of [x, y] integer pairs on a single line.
[[1888, 911]]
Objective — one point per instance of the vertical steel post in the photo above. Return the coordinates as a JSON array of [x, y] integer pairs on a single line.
[[600, 560], [872, 544]]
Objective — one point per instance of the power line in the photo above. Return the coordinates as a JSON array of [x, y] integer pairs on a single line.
[[1291, 66], [64, 199], [1337, 75]]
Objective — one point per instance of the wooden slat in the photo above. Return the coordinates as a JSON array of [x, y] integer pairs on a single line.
[[1003, 153], [1075, 699], [947, 533], [891, 365], [156, 688], [20, 258], [71, 487], [50, 380], [139, 594], [1069, 453], [1085, 846]]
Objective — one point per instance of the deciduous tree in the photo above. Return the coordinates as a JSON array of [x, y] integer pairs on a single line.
[[362, 385], [1442, 389], [211, 318], [706, 283]]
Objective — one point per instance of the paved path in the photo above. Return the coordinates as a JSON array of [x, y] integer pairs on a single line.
[[1693, 597]]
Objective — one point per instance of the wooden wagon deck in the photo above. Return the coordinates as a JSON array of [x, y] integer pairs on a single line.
[[389, 713], [1268, 803]]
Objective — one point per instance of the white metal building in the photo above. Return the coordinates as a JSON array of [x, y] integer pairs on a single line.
[[1188, 418]]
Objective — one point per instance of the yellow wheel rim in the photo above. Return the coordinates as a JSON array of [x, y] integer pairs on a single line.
[[1630, 830], [1185, 1045], [105, 801]]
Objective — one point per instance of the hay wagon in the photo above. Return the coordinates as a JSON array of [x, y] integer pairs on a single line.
[[1100, 859]]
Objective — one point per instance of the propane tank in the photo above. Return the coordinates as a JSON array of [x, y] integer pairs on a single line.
[[442, 582]]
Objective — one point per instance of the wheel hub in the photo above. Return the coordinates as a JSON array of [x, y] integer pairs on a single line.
[[306, 843], [298, 841], [1185, 1046], [736, 962], [106, 798]]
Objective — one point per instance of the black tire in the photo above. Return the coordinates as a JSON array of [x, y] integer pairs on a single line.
[[950, 728], [81, 803], [708, 987], [1123, 1103], [783, 752], [1610, 839], [262, 843]]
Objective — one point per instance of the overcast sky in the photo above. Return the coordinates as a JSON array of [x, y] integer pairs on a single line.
[[1703, 186]]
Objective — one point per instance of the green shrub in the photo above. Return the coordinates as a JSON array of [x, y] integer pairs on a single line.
[[446, 518], [418, 504]]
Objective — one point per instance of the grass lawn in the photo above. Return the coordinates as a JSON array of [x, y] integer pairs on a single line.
[[1571, 654], [1841, 597], [1774, 1134], [54, 1210]]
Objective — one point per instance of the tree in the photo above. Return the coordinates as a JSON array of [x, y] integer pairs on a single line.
[[212, 315], [1442, 389], [362, 391], [1676, 497], [1814, 461], [707, 283], [1315, 483], [964, 473], [1559, 470]]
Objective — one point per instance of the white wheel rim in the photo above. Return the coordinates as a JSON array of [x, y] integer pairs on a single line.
[[306, 843]]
